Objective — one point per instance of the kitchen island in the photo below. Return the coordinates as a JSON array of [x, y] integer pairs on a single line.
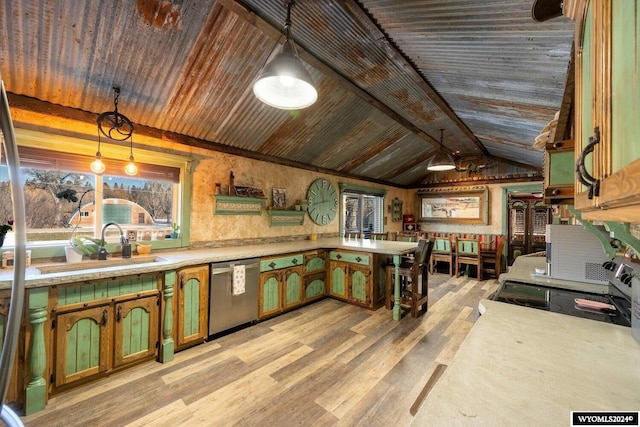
[[522, 366]]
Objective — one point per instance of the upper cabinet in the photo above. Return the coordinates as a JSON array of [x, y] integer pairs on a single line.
[[607, 109]]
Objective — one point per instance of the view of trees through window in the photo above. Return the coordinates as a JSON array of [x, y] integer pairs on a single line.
[[50, 217], [362, 213]]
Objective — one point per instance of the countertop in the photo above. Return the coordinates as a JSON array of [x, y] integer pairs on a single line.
[[177, 259], [522, 366], [523, 268]]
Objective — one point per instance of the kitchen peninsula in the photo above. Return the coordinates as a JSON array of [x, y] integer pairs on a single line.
[[114, 291]]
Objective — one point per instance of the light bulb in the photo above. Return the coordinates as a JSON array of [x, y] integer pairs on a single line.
[[131, 168], [97, 166]]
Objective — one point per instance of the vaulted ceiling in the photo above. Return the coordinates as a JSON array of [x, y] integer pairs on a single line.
[[389, 74]]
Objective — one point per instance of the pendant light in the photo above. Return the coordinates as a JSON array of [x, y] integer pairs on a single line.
[[115, 125], [131, 169], [442, 161], [97, 166], [284, 82]]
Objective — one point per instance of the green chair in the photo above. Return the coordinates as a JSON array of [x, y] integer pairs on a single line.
[[468, 253], [443, 252]]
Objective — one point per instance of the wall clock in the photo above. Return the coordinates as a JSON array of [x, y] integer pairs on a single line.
[[322, 199]]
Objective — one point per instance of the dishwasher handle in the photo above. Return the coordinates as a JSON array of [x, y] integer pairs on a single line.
[[229, 269]]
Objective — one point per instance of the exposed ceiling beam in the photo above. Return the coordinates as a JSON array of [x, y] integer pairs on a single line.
[[53, 111]]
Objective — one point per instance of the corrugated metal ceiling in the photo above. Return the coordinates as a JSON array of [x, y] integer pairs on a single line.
[[389, 74]]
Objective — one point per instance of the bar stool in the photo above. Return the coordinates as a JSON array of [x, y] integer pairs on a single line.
[[414, 280]]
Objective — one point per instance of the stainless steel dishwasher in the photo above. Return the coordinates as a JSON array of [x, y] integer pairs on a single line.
[[227, 310]]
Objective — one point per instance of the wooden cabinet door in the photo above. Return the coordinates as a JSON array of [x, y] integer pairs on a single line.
[[620, 180], [136, 330], [338, 279], [193, 302], [608, 97], [314, 286], [359, 279], [82, 341], [292, 294], [586, 96], [270, 298]]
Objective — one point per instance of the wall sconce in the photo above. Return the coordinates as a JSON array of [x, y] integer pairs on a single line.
[[116, 126], [284, 82]]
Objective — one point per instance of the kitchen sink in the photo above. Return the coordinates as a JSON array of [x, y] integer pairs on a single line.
[[94, 264]]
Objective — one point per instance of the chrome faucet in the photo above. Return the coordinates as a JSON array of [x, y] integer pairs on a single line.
[[126, 246]]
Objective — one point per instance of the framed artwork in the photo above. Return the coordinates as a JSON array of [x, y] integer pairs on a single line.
[[454, 207], [279, 198]]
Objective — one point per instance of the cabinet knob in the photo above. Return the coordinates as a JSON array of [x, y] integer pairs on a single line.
[[555, 192], [105, 317]]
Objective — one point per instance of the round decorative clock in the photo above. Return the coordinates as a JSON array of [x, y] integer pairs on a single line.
[[322, 200]]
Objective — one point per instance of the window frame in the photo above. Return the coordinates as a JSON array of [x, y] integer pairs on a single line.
[[66, 144], [362, 191]]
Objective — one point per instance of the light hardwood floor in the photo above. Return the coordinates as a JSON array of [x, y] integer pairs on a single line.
[[326, 364]]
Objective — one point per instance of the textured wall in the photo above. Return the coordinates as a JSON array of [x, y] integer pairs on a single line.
[[215, 168]]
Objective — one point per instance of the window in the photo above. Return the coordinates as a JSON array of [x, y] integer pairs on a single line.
[[362, 213], [144, 206]]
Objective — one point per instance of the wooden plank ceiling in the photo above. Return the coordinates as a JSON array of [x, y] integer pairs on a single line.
[[390, 75]]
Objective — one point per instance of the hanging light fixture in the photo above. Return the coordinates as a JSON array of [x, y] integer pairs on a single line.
[[284, 82], [115, 125], [97, 166], [131, 168], [442, 161]]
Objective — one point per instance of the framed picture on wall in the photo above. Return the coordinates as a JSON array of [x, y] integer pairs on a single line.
[[469, 207], [279, 198]]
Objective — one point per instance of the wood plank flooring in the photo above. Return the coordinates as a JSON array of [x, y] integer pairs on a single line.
[[326, 364]]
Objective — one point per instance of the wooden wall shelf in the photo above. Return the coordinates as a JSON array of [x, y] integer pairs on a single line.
[[279, 218], [234, 205]]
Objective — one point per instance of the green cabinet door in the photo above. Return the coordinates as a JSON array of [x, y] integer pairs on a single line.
[[136, 330], [625, 83], [292, 292], [269, 294], [82, 344], [192, 306], [359, 285], [338, 280]]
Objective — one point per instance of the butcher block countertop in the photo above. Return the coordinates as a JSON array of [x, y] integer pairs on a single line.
[[163, 261], [528, 367]]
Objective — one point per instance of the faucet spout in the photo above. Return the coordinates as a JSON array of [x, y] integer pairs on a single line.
[[126, 246]]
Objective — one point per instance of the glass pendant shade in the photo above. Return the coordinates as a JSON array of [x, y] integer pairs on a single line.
[[97, 166], [284, 82]]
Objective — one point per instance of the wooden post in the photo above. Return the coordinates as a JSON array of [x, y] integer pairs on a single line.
[[36, 392], [167, 346]]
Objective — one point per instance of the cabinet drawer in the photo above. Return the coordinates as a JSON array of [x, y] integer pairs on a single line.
[[270, 264], [350, 257]]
